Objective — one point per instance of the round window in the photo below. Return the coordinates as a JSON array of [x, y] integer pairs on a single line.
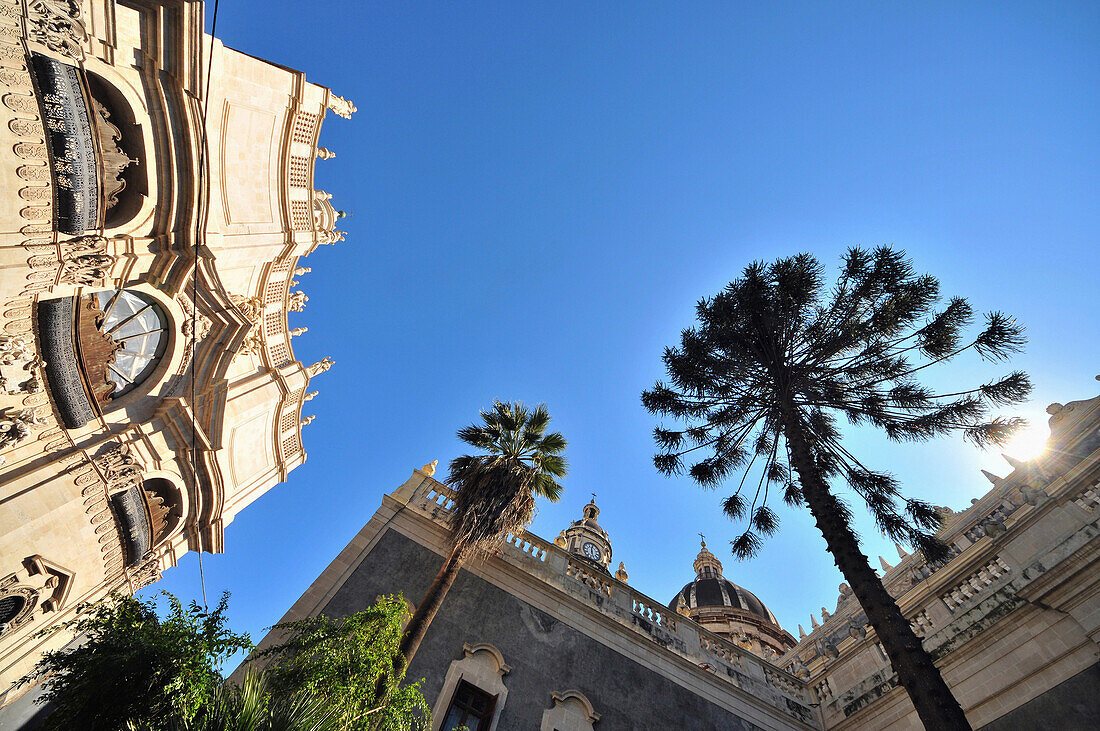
[[138, 327]]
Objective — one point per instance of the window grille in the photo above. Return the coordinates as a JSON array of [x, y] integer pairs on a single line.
[[273, 323], [299, 172], [304, 124], [279, 355], [273, 293], [300, 217], [291, 445]]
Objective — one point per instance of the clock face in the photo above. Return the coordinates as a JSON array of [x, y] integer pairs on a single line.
[[592, 551]]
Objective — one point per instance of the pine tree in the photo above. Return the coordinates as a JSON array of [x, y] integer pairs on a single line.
[[758, 385]]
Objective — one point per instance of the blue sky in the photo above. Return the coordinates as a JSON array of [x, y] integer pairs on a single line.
[[541, 192]]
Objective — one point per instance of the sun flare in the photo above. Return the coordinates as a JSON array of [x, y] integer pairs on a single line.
[[1029, 442]]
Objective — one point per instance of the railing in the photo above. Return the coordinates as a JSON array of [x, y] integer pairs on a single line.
[[439, 496], [644, 608], [783, 682], [720, 650], [588, 577], [529, 545], [975, 584]]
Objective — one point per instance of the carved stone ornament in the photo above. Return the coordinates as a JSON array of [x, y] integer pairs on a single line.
[[120, 467], [85, 261], [15, 348], [325, 154], [147, 573], [341, 106], [250, 307], [298, 331], [296, 302], [253, 343], [320, 366], [429, 469], [309, 396], [15, 427], [302, 270], [56, 25], [113, 158], [307, 421], [332, 237]]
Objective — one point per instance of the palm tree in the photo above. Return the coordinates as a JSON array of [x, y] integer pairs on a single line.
[[494, 494], [776, 357]]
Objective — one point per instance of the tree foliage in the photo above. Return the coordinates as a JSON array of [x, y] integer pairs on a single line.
[[342, 662], [779, 336], [134, 669], [251, 706], [495, 492]]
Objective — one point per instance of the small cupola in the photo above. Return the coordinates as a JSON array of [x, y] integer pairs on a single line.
[[707, 565], [586, 539]]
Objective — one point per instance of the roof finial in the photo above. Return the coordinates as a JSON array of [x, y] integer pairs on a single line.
[[703, 540]]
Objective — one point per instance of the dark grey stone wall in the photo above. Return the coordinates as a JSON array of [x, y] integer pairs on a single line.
[[1072, 704], [545, 654]]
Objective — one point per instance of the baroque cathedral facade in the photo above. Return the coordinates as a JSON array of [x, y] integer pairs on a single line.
[[542, 635], [158, 205]]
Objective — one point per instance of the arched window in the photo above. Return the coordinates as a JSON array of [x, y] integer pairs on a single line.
[[138, 328]]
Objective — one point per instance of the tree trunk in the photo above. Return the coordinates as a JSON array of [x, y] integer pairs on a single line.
[[932, 699], [418, 624], [430, 604]]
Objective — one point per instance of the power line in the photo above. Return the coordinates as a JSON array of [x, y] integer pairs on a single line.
[[203, 187]]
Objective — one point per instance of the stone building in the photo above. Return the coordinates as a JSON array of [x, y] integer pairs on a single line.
[[542, 636], [158, 199]]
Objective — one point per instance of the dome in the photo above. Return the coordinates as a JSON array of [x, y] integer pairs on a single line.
[[711, 590], [719, 592]]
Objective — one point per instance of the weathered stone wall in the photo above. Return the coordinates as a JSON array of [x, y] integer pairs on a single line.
[[1073, 703], [545, 654]]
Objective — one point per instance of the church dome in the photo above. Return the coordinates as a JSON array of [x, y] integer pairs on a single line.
[[704, 593], [712, 591]]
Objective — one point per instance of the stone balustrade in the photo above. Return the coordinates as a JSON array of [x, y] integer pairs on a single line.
[[975, 584], [631, 608]]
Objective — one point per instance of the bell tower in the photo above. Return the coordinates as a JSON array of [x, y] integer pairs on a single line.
[[586, 538]]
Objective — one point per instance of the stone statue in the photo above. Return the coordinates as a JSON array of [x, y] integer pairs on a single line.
[[296, 302], [320, 366], [429, 469], [340, 106]]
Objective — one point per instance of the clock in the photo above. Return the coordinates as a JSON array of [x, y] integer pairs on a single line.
[[592, 551]]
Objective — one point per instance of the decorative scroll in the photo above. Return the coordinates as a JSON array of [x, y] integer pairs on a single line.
[[114, 159], [71, 145]]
